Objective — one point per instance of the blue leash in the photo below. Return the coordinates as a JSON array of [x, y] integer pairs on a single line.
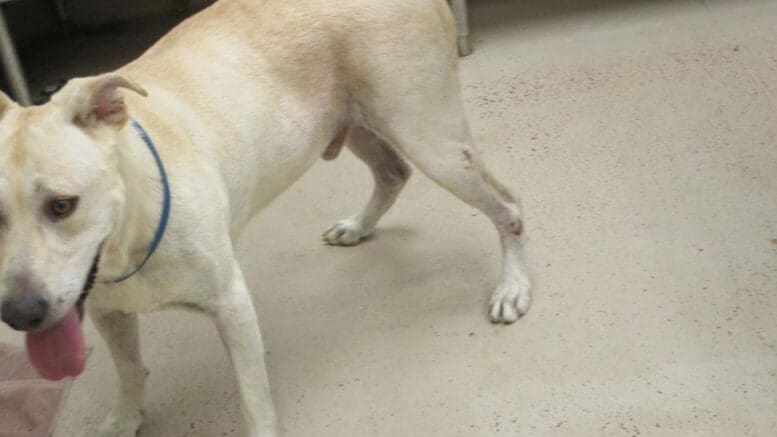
[[160, 230]]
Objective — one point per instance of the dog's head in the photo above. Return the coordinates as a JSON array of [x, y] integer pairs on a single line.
[[60, 196]]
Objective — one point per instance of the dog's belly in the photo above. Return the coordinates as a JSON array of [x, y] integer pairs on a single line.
[[267, 181], [273, 162]]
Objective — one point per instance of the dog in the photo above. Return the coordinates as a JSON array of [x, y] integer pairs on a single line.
[[131, 186]]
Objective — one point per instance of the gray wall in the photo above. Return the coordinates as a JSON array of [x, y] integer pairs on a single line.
[[33, 18]]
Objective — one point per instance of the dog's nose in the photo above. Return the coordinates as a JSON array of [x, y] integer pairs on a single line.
[[24, 314]]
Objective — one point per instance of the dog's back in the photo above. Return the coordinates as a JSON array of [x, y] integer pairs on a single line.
[[303, 41]]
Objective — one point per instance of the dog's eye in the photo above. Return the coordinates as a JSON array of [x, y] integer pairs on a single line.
[[61, 207]]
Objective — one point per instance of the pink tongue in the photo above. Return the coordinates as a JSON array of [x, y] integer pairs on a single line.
[[59, 351]]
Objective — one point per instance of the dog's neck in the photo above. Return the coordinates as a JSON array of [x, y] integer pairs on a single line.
[[137, 220]]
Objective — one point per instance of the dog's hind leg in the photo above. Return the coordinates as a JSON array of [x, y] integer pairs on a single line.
[[120, 332], [431, 130], [236, 321], [390, 172]]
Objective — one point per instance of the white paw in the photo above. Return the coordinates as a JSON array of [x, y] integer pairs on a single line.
[[510, 301], [120, 425], [348, 232]]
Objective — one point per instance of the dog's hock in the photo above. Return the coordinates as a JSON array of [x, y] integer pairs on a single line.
[[97, 101]]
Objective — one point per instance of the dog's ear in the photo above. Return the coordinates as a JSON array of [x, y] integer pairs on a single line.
[[97, 101]]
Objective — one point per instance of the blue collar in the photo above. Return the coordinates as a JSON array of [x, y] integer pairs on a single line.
[[160, 229]]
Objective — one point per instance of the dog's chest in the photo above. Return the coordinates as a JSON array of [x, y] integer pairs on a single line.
[[119, 297], [153, 292]]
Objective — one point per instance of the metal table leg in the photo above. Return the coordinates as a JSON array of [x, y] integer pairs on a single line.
[[462, 26], [12, 66]]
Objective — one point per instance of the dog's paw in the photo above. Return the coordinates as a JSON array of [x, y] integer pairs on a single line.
[[348, 232], [510, 301], [120, 424]]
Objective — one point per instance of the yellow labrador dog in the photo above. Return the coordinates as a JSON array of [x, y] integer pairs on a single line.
[[138, 196]]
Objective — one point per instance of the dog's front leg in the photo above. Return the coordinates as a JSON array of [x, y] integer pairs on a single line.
[[236, 321], [120, 332]]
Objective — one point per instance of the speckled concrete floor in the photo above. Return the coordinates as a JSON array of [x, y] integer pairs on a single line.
[[641, 136]]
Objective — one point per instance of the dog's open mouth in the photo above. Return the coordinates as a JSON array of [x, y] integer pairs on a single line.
[[60, 350]]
